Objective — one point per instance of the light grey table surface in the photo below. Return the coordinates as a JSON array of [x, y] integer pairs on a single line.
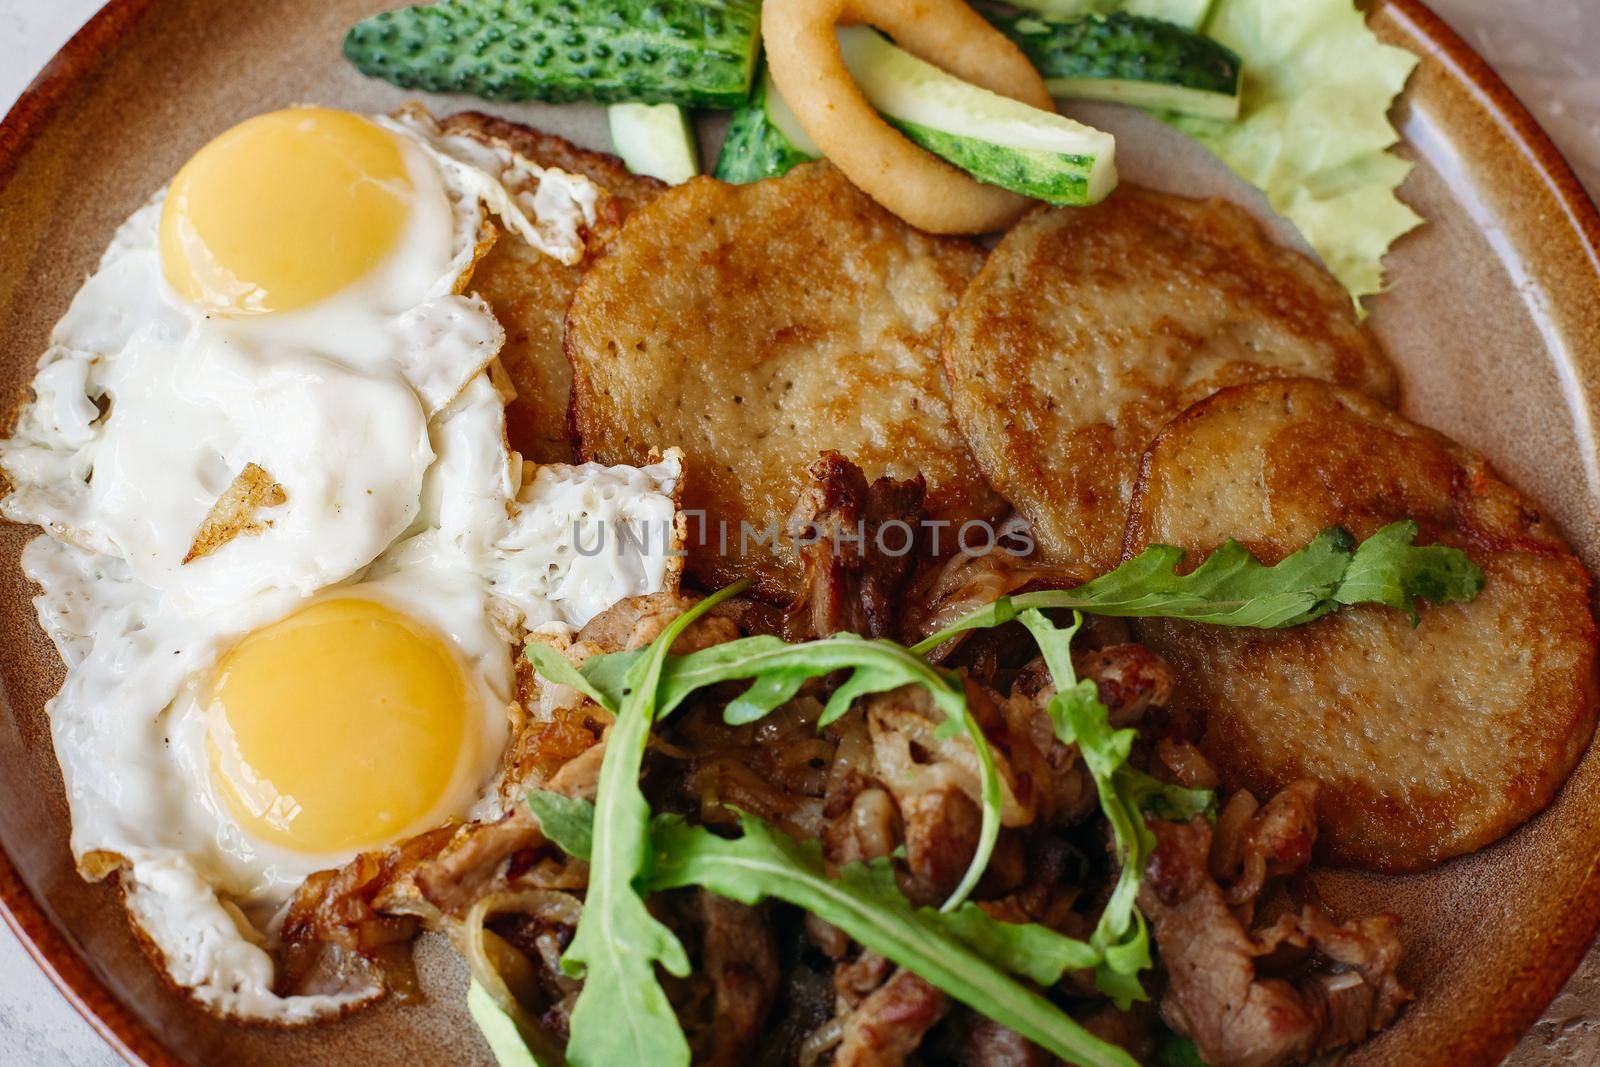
[[1549, 51]]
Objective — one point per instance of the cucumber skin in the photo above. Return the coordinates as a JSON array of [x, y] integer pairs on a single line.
[[1123, 48], [754, 148], [693, 53], [1030, 171]]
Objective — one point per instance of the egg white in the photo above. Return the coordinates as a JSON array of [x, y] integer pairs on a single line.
[[381, 414]]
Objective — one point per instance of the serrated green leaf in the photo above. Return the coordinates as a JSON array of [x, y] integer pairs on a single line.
[[1233, 588], [1034, 952], [779, 668], [1080, 718], [567, 821], [770, 864], [555, 667], [1164, 800], [956, 953], [1389, 569], [622, 1015]]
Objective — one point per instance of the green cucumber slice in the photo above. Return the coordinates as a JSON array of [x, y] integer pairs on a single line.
[[694, 53], [995, 139], [655, 139], [1125, 59], [783, 118], [764, 139], [1190, 14]]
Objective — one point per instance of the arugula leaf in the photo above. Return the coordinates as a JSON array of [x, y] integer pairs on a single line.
[[1388, 569], [1233, 588], [554, 666], [779, 669], [506, 1041], [567, 821], [1178, 1051], [960, 949], [1081, 719], [1035, 952], [865, 903], [1164, 800], [622, 1015]]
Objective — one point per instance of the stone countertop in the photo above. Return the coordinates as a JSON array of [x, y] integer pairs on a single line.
[[1549, 52]]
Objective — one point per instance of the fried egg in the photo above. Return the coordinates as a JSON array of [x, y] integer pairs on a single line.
[[289, 556]]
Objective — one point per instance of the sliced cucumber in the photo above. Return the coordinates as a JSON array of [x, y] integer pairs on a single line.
[[655, 139], [1125, 59], [782, 117], [992, 137], [695, 53], [764, 139], [1190, 14]]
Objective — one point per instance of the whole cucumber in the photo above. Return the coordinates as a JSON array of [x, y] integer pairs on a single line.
[[694, 53], [1129, 59]]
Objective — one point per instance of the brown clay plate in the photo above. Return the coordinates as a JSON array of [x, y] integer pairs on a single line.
[[1493, 321]]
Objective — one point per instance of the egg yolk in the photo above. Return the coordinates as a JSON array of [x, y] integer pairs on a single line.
[[339, 727], [283, 210]]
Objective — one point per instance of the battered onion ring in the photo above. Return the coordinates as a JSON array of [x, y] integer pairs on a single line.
[[803, 55]]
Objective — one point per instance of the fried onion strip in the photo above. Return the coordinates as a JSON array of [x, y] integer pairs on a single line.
[[505, 974], [803, 53]]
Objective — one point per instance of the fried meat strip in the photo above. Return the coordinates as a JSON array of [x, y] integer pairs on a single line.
[[1343, 985]]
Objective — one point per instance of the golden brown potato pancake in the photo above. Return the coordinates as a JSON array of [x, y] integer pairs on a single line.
[[1429, 742], [529, 291], [1089, 328], [758, 326]]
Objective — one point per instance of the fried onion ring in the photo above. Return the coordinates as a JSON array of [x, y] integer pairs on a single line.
[[924, 190]]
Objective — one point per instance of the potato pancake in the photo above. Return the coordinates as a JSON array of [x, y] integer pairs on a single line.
[[1089, 328], [1432, 741], [758, 326], [529, 291]]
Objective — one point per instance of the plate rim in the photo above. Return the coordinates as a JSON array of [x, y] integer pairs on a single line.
[[52, 949]]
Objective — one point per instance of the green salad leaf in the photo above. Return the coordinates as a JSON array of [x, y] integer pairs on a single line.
[[1035, 952], [568, 821], [622, 1015], [1313, 131], [1388, 569], [1081, 719], [966, 953], [1164, 800], [779, 669], [506, 1041], [1233, 588], [865, 904]]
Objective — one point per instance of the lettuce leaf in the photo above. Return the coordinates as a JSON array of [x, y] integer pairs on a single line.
[[1314, 130]]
